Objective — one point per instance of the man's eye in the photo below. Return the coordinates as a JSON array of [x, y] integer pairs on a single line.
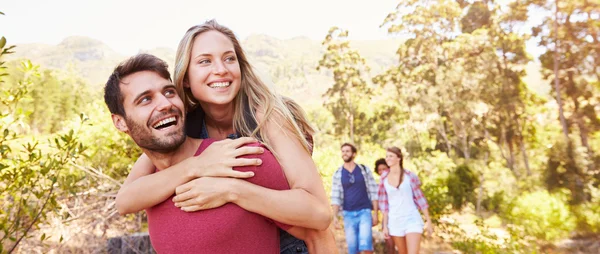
[[170, 92], [145, 99]]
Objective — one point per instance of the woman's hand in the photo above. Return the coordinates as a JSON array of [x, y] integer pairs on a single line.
[[429, 228], [386, 232], [203, 193], [219, 158]]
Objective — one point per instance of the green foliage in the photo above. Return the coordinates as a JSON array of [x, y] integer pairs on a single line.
[[484, 240], [433, 170], [575, 57], [436, 193], [543, 215], [31, 173], [568, 168], [461, 186], [55, 97], [495, 202], [350, 99], [110, 151], [588, 214]]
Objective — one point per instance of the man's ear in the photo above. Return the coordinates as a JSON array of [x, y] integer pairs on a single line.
[[119, 122]]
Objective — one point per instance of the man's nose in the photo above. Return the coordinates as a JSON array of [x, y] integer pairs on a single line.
[[164, 103]]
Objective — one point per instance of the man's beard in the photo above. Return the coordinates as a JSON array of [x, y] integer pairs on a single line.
[[348, 159], [144, 138]]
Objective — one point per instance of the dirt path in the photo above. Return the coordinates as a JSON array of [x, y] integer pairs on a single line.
[[428, 246]]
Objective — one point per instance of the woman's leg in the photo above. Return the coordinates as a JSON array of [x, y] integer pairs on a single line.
[[400, 242], [389, 245], [413, 242]]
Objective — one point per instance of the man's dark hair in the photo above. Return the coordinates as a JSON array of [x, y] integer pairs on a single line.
[[141, 62], [379, 162], [352, 147]]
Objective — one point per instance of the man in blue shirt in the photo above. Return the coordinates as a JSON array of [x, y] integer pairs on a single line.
[[354, 190]]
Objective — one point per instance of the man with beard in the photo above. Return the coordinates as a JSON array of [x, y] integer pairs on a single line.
[[355, 190], [144, 104]]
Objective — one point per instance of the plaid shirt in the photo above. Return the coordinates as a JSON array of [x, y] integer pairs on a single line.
[[415, 184], [337, 191]]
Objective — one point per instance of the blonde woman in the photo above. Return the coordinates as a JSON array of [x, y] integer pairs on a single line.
[[226, 98], [400, 199]]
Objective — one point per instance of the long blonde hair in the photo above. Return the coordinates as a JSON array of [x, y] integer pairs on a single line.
[[253, 94]]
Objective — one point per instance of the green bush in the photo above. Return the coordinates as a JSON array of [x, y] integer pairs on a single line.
[[588, 214], [588, 217], [437, 198], [543, 215], [433, 170], [494, 203], [461, 186], [33, 174], [483, 240]]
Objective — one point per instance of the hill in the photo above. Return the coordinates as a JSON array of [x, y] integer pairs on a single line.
[[289, 64]]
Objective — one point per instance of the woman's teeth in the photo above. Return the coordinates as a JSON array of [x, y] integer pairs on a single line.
[[219, 84]]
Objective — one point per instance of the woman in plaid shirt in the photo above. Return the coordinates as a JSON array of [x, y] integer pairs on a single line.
[[400, 199]]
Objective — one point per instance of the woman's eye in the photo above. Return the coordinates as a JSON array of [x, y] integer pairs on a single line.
[[230, 59], [205, 61]]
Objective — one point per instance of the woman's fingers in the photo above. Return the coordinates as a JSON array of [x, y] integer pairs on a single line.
[[241, 162], [241, 141], [239, 174], [180, 197], [183, 188], [192, 208], [187, 203], [248, 150]]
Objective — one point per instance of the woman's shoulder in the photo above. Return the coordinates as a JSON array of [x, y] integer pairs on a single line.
[[410, 173]]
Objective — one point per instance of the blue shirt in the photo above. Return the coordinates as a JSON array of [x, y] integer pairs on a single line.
[[355, 191]]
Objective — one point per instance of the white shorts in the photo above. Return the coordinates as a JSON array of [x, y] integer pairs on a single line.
[[402, 226]]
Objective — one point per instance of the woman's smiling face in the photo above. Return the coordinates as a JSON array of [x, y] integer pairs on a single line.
[[213, 74]]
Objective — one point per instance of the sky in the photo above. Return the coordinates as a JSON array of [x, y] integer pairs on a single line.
[[130, 25]]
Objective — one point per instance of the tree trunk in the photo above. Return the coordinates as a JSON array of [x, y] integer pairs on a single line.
[[442, 131], [481, 180], [466, 150], [351, 116], [512, 158], [556, 81], [522, 146], [584, 135], [525, 157]]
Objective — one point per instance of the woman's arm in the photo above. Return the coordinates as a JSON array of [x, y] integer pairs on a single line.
[[133, 195], [421, 201], [306, 203], [210, 192], [143, 188], [386, 230], [428, 225]]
